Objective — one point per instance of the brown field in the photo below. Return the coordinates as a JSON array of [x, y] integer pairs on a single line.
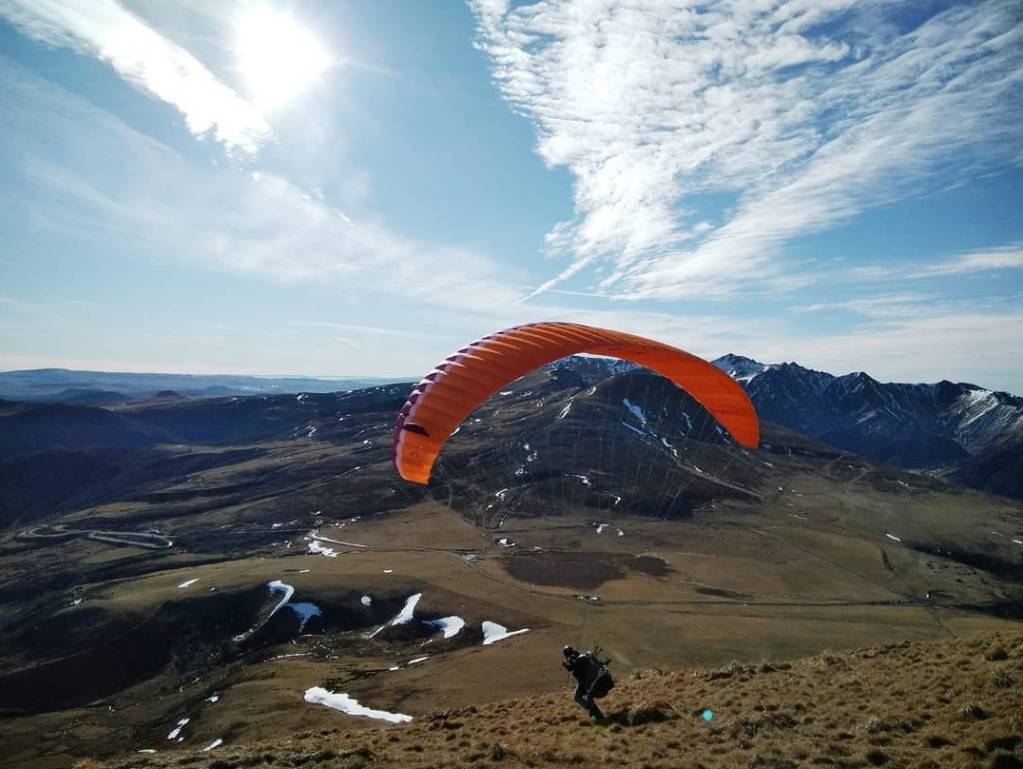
[[739, 586]]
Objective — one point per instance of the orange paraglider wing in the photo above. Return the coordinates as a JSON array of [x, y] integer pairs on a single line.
[[464, 380]]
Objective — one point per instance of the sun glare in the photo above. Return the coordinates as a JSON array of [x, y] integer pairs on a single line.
[[277, 56]]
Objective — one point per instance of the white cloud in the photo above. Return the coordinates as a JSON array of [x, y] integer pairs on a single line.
[[364, 329], [154, 203], [1006, 257], [146, 59], [921, 347], [883, 306], [1001, 258], [651, 104]]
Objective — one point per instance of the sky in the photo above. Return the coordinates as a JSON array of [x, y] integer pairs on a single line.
[[346, 188]]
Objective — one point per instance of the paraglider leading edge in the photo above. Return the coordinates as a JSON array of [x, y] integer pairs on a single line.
[[463, 380]]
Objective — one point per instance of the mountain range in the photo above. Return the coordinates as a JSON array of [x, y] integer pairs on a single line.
[[965, 432], [960, 431], [109, 388]]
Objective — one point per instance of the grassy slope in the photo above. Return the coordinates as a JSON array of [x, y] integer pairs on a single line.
[[946, 704]]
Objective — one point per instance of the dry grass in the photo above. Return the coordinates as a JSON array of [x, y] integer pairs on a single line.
[[914, 705]]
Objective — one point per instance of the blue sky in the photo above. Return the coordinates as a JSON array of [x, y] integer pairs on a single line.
[[358, 188]]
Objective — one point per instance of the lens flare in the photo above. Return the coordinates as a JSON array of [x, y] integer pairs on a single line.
[[277, 56]]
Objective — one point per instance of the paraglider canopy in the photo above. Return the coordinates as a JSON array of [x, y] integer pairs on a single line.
[[460, 383]]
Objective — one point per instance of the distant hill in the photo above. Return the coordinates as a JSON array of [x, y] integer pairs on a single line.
[[28, 427], [168, 395], [83, 396], [92, 387]]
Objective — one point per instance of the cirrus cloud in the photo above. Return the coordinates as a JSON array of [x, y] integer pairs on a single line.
[[147, 60], [809, 112]]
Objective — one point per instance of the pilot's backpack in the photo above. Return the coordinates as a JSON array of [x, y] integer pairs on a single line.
[[603, 683]]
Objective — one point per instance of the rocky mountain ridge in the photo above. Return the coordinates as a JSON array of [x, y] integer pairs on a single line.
[[960, 429]]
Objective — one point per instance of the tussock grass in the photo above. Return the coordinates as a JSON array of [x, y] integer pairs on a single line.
[[901, 705]]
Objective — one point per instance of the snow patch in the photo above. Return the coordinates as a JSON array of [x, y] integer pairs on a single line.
[[177, 729], [366, 601], [349, 705], [404, 616], [212, 698], [315, 534], [417, 660], [493, 632], [318, 548], [893, 538], [276, 586], [215, 744], [189, 582], [450, 625], [305, 612], [635, 410], [601, 527]]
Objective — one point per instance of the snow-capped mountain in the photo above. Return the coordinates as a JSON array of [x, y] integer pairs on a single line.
[[945, 426], [593, 368], [740, 368]]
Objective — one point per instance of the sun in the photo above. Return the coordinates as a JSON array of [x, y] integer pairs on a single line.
[[277, 56]]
